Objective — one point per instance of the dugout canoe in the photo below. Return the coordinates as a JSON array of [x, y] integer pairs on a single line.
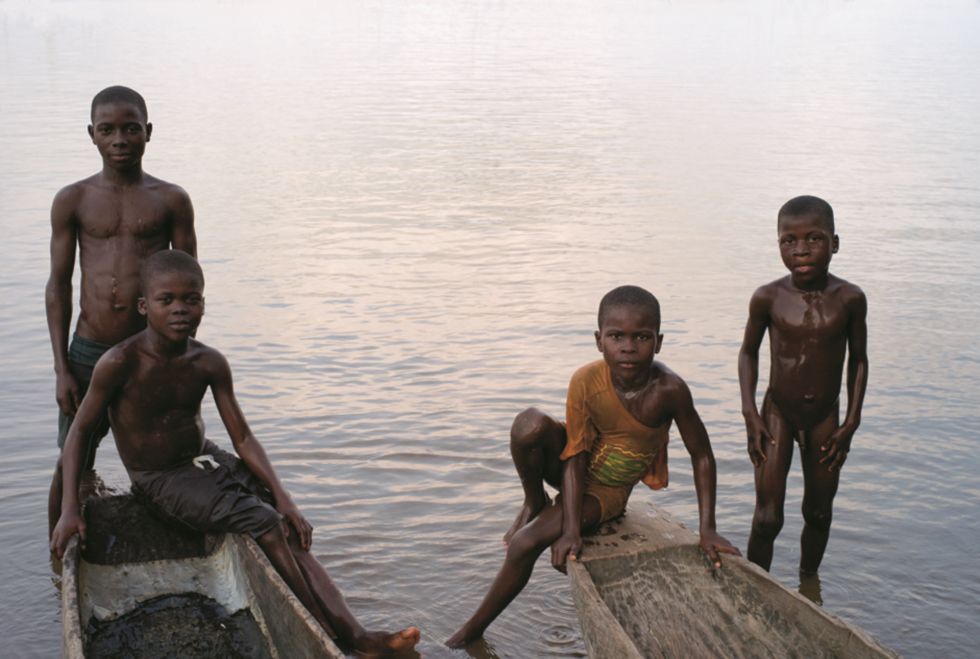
[[643, 588], [144, 588]]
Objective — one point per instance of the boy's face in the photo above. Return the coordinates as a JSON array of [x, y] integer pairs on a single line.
[[120, 132], [628, 339], [173, 304], [806, 246]]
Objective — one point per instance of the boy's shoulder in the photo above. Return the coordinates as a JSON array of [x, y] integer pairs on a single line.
[[591, 370], [844, 287], [669, 396], [850, 296], [773, 288], [73, 192], [668, 380], [164, 187]]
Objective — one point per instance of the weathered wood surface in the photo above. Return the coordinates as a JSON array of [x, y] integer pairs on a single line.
[[131, 557], [643, 588]]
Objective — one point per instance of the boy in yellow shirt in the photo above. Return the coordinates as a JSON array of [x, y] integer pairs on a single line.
[[619, 410]]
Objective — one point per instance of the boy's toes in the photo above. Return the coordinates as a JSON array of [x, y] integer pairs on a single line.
[[380, 643], [405, 639]]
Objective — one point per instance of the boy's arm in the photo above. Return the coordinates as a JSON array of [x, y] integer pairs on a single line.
[[696, 441], [57, 296], [183, 236], [250, 450], [839, 442], [748, 376], [569, 545], [579, 437], [106, 378]]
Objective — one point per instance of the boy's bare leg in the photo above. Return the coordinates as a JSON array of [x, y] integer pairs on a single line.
[[819, 488], [522, 552], [770, 488], [536, 442], [273, 542], [334, 607]]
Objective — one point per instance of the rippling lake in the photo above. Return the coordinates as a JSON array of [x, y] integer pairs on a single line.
[[408, 211]]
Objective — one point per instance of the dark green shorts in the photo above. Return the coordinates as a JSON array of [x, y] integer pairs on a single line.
[[82, 355], [214, 493]]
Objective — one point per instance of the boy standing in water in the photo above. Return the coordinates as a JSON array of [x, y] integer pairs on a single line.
[[151, 385], [619, 410], [813, 319], [115, 219]]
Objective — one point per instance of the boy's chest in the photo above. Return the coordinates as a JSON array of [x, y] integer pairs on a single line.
[[142, 215], [169, 388], [627, 424], [812, 316]]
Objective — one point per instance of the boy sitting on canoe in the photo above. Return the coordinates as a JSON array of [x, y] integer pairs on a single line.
[[619, 410], [813, 319], [152, 385]]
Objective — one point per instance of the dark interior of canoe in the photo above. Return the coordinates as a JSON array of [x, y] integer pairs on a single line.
[[145, 587], [178, 624]]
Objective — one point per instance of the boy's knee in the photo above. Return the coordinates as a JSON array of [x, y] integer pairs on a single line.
[[818, 517], [522, 545], [274, 537], [529, 425], [767, 523]]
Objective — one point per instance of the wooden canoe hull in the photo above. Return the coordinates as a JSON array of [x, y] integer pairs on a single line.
[[643, 588], [231, 570]]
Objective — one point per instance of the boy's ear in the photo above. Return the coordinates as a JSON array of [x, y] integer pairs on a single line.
[[149, 130], [660, 342], [835, 244], [141, 305], [598, 343], [91, 133]]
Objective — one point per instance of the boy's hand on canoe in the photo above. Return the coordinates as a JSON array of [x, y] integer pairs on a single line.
[[714, 544], [567, 547], [304, 530], [68, 525]]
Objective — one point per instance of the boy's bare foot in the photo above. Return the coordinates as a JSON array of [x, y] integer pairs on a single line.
[[529, 510], [372, 644]]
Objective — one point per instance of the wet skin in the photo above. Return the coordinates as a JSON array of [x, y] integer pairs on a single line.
[[152, 385], [814, 320], [114, 220], [653, 394]]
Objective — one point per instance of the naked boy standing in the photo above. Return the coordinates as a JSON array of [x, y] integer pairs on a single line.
[[114, 219], [814, 320]]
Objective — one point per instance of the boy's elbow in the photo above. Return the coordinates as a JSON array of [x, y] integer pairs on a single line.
[[57, 291]]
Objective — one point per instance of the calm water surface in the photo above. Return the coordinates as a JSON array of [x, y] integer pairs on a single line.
[[408, 211]]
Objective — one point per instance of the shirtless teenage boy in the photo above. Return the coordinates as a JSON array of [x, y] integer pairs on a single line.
[[151, 385], [619, 410], [115, 219], [813, 319]]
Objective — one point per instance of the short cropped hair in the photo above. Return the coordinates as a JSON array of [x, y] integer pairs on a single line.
[[169, 260], [629, 295], [807, 205], [119, 94]]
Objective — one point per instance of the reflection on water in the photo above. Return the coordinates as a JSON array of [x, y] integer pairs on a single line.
[[407, 213]]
